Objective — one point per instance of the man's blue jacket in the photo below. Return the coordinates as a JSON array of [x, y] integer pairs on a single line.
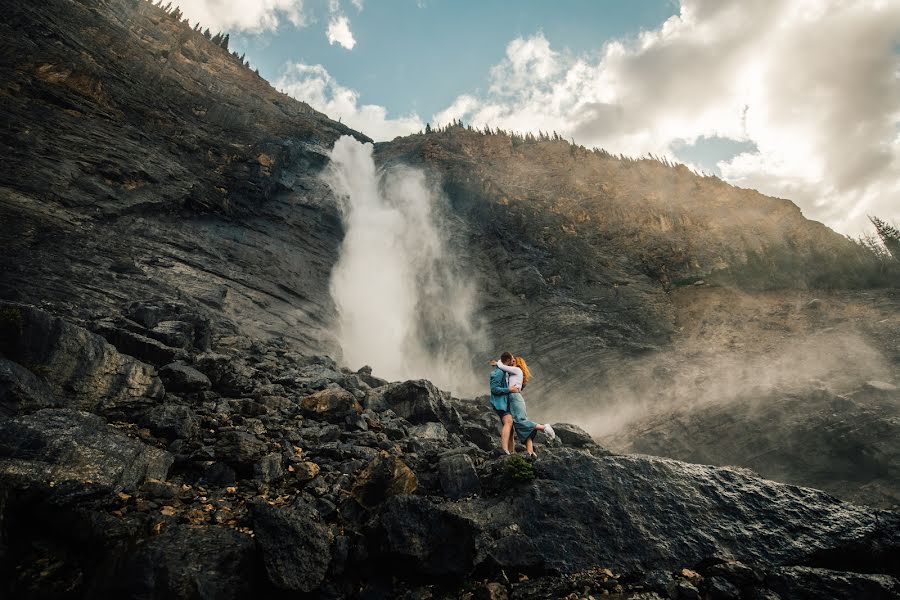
[[499, 390]]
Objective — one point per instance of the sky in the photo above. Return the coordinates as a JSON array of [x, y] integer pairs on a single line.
[[799, 99]]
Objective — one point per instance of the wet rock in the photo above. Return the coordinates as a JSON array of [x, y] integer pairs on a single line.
[[269, 468], [421, 402], [458, 476], [427, 537], [515, 552], [141, 347], [573, 435], [78, 365], [434, 432], [385, 476], [331, 403], [240, 450], [181, 378], [735, 572], [807, 583], [719, 588], [296, 548], [185, 563], [172, 421], [56, 445], [21, 391]]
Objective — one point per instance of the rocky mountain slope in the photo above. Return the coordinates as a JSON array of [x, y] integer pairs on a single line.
[[171, 424]]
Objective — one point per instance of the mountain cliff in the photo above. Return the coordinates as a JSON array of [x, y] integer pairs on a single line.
[[174, 422]]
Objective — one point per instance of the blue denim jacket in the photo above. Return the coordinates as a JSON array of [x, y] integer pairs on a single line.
[[499, 390]]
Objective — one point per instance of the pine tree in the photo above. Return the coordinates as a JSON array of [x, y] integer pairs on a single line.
[[224, 43], [217, 39], [889, 234], [427, 127]]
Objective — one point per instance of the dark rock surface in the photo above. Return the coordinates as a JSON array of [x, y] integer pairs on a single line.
[[188, 230]]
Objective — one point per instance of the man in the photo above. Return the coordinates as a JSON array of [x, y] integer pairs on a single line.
[[500, 401]]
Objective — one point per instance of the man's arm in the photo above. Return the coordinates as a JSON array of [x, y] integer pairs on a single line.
[[496, 380]]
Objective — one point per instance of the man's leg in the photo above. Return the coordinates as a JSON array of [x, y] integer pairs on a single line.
[[529, 445], [505, 432], [512, 440]]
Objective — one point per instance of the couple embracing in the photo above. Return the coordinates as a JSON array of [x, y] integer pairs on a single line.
[[508, 378]]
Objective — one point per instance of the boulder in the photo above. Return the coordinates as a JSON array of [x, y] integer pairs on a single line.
[[435, 432], [269, 468], [572, 435], [332, 403], [140, 346], [385, 476], [719, 588], [639, 513], [458, 476], [78, 365], [181, 378], [807, 583], [22, 391], [185, 563], [172, 421], [296, 548], [420, 402], [240, 449], [56, 445], [426, 537]]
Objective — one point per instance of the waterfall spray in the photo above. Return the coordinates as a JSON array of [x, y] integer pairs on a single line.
[[402, 305]]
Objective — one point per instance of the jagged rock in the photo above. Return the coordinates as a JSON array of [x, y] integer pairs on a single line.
[[330, 403], [458, 476], [427, 537], [141, 347], [719, 588], [735, 572], [170, 421], [176, 334], [584, 510], [573, 435], [807, 583], [56, 445], [269, 468], [305, 471], [181, 378], [365, 374], [492, 591], [296, 548], [185, 563], [22, 391], [421, 402], [240, 450], [78, 365], [429, 431], [515, 552], [385, 476]]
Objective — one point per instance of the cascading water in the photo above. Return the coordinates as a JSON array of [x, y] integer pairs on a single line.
[[402, 305]]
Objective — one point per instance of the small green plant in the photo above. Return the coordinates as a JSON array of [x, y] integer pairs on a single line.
[[519, 470]]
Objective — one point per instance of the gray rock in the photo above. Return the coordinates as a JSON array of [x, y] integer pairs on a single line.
[[429, 431], [78, 365], [296, 548], [420, 402], [22, 391], [172, 421], [719, 588], [240, 450], [458, 476], [185, 563], [573, 435], [181, 378], [269, 468], [807, 583], [62, 445]]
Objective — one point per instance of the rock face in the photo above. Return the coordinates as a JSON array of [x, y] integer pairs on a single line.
[[79, 366]]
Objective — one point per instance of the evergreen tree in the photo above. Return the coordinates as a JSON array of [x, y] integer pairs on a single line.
[[889, 234], [427, 127], [224, 43], [206, 33]]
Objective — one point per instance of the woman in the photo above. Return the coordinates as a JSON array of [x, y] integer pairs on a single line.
[[519, 374]]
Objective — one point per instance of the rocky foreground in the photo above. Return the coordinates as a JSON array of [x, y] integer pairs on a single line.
[[257, 470]]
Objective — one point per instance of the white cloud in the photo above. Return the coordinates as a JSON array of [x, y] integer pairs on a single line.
[[339, 32], [358, 4], [815, 84], [239, 15], [314, 85]]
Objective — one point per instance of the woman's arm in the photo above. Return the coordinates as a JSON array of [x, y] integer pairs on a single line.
[[508, 369]]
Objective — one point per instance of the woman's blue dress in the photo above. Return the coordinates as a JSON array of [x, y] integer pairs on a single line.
[[524, 427]]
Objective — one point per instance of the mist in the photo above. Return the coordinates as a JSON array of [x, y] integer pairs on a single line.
[[403, 305]]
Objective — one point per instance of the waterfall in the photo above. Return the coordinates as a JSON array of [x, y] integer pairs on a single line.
[[403, 305]]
